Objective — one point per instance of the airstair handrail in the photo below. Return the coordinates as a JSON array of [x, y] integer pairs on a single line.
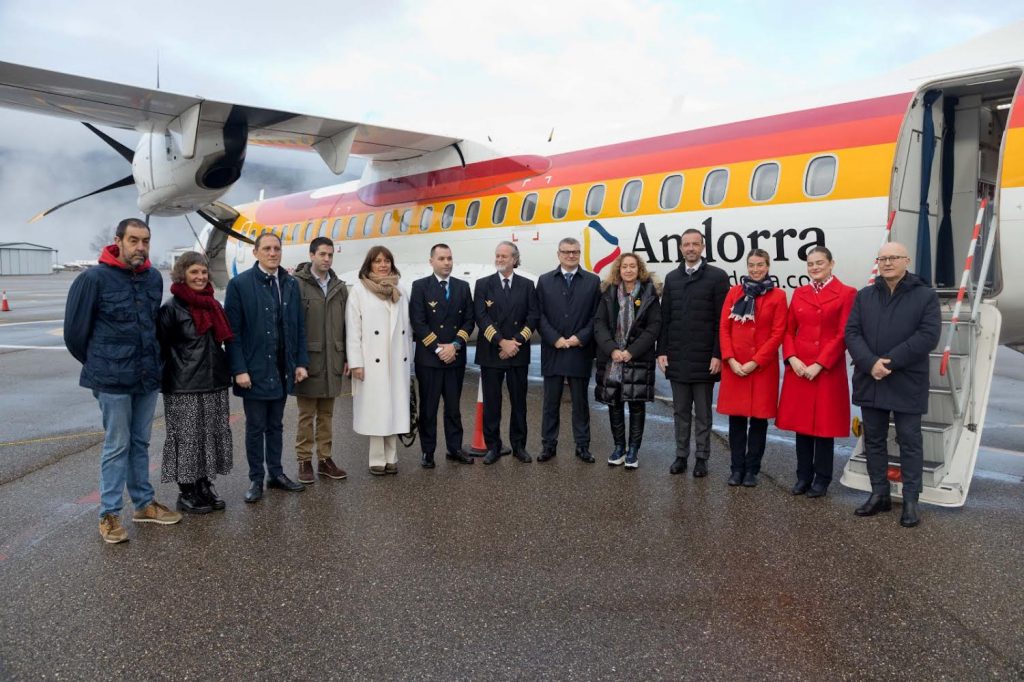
[[885, 240], [964, 280], [986, 264]]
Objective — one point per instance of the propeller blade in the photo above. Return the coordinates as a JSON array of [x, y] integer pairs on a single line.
[[127, 153], [123, 182], [224, 227]]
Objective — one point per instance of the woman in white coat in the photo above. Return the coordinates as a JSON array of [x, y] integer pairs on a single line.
[[379, 348]]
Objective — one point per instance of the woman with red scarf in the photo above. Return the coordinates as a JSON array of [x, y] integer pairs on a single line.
[[752, 325], [193, 330]]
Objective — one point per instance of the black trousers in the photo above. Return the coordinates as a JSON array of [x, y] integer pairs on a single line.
[[814, 456], [876, 450], [264, 431], [578, 388], [637, 417], [435, 382], [747, 445], [515, 380], [691, 404]]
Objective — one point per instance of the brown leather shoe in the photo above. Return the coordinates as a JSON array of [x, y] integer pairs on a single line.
[[306, 472], [328, 468]]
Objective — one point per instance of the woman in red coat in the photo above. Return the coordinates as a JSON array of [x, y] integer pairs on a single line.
[[815, 394], [753, 322]]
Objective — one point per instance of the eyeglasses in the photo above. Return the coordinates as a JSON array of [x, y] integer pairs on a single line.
[[569, 253], [890, 259]]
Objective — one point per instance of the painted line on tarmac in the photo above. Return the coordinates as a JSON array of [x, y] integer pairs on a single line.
[[49, 439], [10, 347], [19, 324]]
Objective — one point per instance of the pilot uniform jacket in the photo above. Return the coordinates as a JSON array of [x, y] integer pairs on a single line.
[[814, 334], [498, 318], [755, 395], [325, 333], [690, 310], [252, 312], [378, 340], [637, 374], [903, 326], [436, 320], [565, 312]]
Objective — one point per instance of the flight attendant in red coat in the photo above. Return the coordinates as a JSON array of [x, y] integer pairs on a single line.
[[752, 324], [815, 399]]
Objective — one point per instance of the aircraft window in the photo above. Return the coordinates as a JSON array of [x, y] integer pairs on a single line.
[[447, 216], [631, 196], [385, 224], [308, 236], [295, 232], [560, 207], [821, 176], [595, 200], [368, 225], [351, 231], [426, 217], [473, 213], [336, 229], [529, 209], [765, 182], [671, 192], [498, 214], [322, 232], [715, 184], [403, 226]]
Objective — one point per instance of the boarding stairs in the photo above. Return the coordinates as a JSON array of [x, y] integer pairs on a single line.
[[960, 379]]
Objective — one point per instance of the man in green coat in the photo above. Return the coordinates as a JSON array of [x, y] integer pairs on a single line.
[[323, 302]]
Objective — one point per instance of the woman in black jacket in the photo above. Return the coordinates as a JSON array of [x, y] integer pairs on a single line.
[[625, 330], [193, 330]]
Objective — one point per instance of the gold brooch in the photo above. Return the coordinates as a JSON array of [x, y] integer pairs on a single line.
[[637, 303], [488, 303], [432, 304]]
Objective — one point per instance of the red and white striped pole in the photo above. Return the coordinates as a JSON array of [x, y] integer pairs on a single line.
[[885, 240], [964, 279]]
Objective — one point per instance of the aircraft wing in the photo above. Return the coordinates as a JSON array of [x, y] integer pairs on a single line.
[[144, 110]]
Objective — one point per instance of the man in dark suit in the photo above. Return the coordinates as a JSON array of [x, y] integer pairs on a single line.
[[568, 298], [441, 314], [506, 315]]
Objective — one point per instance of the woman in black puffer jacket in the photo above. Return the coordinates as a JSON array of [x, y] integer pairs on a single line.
[[625, 330], [193, 330]]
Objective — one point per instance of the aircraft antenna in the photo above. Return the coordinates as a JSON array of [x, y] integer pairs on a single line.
[[158, 69]]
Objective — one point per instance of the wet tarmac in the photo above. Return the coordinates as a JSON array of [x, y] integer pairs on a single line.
[[559, 570]]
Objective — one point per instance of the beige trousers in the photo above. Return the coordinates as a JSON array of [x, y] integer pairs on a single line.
[[383, 450], [316, 416]]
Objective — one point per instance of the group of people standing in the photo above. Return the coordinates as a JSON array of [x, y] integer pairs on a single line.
[[281, 334]]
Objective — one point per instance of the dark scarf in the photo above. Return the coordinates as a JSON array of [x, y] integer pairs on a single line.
[[743, 309], [206, 311]]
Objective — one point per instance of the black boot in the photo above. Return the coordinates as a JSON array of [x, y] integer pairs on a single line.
[[190, 502], [878, 502], [617, 420], [909, 518], [209, 493]]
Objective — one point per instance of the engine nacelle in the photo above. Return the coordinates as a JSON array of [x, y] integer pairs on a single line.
[[170, 184]]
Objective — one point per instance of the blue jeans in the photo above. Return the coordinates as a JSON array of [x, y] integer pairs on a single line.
[[263, 436], [124, 460]]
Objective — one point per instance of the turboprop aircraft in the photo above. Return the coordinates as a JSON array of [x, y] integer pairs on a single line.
[[908, 157]]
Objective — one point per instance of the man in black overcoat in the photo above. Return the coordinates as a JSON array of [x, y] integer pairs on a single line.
[[688, 350], [506, 316], [441, 315], [568, 298], [893, 326]]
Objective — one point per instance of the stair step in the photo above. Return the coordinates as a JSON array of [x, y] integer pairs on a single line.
[[941, 409], [957, 366], [932, 473]]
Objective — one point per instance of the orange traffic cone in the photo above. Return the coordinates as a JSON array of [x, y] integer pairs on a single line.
[[5, 307], [479, 447]]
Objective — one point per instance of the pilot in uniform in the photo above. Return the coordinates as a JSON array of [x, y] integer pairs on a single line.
[[441, 314], [506, 315]]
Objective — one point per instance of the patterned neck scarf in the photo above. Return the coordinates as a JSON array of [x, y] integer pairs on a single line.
[[818, 286], [743, 309], [627, 301], [384, 288]]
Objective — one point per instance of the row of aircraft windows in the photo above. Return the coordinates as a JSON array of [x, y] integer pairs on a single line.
[[819, 179]]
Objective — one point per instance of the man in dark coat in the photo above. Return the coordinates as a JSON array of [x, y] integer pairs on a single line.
[[323, 310], [506, 317], [268, 358], [688, 352], [567, 298], [110, 327], [441, 315], [893, 326]]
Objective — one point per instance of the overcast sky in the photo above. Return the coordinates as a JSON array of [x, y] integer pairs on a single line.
[[470, 69]]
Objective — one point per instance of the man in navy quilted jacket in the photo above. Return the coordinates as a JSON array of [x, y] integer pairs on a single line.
[[110, 327]]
